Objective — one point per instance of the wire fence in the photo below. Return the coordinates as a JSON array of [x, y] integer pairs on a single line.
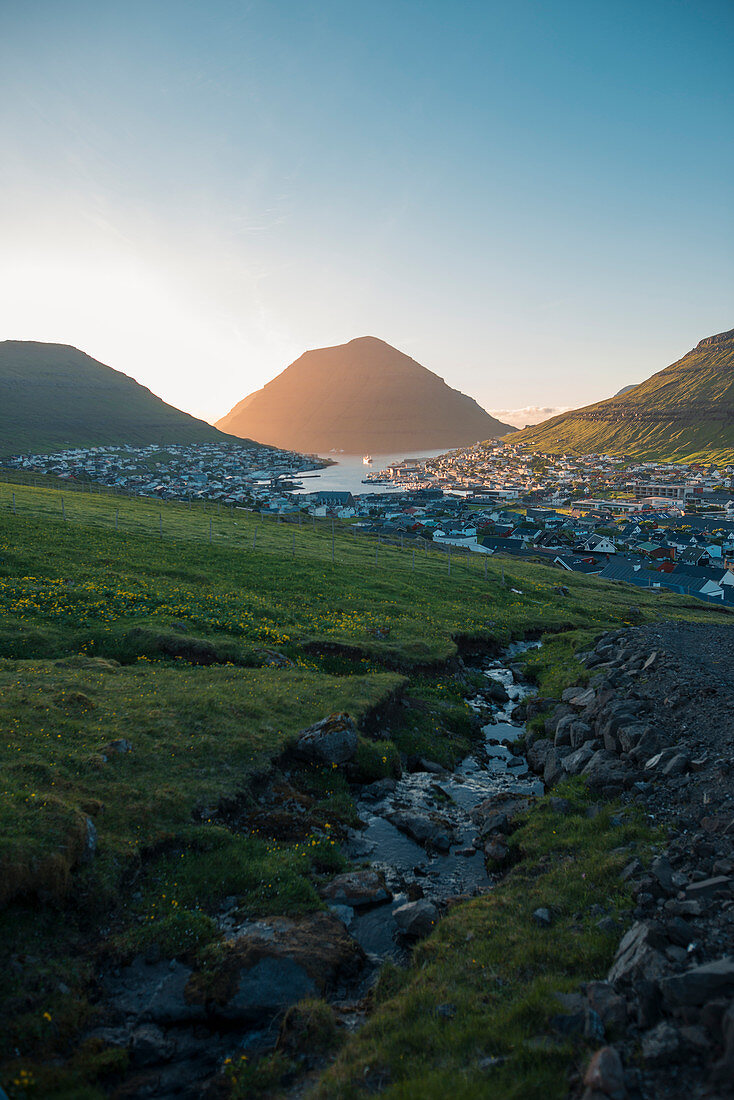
[[291, 536]]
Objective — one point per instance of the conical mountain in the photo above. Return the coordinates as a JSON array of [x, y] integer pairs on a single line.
[[54, 396], [683, 413], [364, 396]]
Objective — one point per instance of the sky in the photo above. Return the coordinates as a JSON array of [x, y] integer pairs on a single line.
[[533, 198]]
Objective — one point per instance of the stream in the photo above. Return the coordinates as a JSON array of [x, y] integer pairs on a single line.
[[419, 833]]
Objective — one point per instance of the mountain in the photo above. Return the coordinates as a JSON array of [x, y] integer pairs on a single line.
[[54, 396], [364, 396], [626, 389], [682, 413]]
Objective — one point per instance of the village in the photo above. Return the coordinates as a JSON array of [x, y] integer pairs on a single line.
[[652, 525]]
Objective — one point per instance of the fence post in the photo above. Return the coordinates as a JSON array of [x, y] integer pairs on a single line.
[[332, 545], [117, 518], [503, 574], [160, 523], [485, 567], [449, 559], [210, 531], [293, 547], [414, 559], [63, 509], [13, 502], [254, 538], [377, 547]]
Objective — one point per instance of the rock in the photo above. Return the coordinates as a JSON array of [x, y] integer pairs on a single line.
[[558, 712], [576, 761], [430, 832], [149, 1046], [580, 733], [119, 745], [605, 771], [274, 963], [563, 730], [446, 1011], [431, 766], [496, 691], [542, 918], [538, 753], [638, 956], [344, 913], [680, 931], [605, 1074], [553, 770], [723, 1070], [661, 1045], [375, 792], [611, 1008], [648, 745], [662, 872], [630, 736], [496, 850], [708, 888], [677, 766], [333, 740], [579, 697], [90, 841], [416, 919], [700, 984], [356, 889]]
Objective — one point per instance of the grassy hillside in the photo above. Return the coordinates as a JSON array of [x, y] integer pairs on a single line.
[[54, 396], [682, 413], [154, 662]]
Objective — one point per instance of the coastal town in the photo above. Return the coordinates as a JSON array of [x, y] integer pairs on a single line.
[[647, 524]]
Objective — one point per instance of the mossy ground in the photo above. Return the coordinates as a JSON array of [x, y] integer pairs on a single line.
[[196, 627]]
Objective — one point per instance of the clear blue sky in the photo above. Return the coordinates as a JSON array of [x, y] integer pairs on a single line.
[[534, 199]]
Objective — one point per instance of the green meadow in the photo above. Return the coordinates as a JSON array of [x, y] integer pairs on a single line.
[[156, 660]]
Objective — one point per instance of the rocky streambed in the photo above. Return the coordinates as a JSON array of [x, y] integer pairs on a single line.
[[425, 841]]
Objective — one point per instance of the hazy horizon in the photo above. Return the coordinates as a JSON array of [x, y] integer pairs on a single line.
[[534, 203]]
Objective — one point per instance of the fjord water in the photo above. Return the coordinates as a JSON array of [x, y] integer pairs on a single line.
[[350, 471]]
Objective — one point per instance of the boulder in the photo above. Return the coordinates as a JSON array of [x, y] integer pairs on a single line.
[[638, 956], [430, 832], [553, 770], [609, 1006], [416, 919], [605, 1075], [708, 888], [576, 761], [333, 740], [537, 754], [580, 732], [605, 770], [150, 1046], [356, 889], [700, 984], [496, 850], [660, 1045], [274, 963]]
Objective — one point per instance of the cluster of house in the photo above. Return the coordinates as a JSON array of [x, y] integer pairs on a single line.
[[508, 472], [650, 525], [231, 473]]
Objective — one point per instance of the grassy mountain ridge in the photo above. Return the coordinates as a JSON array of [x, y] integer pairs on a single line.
[[54, 396], [683, 412]]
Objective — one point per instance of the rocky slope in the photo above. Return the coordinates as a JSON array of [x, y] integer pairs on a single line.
[[655, 726], [685, 411], [54, 396], [364, 396]]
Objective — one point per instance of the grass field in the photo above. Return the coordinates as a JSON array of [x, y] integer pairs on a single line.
[[154, 661]]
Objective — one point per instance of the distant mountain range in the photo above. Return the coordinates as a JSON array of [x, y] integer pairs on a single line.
[[364, 396], [684, 412], [53, 396]]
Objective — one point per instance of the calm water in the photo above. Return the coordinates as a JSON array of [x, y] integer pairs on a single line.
[[347, 475]]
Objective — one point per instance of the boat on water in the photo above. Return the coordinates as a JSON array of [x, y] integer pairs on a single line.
[[367, 460]]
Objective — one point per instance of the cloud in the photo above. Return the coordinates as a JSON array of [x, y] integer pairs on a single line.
[[530, 414]]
